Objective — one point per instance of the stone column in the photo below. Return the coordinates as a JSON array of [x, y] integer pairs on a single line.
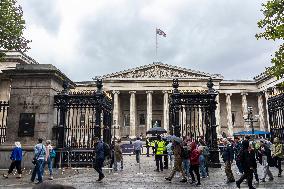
[[132, 133], [260, 111], [267, 114], [149, 109], [217, 114], [229, 114], [166, 110], [116, 113], [245, 109]]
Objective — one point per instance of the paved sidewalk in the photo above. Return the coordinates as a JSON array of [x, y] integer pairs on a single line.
[[128, 178]]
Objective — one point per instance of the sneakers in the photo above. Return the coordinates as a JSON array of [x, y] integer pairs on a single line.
[[198, 184], [101, 178], [5, 176], [183, 180], [238, 184], [271, 179], [168, 179], [50, 178]]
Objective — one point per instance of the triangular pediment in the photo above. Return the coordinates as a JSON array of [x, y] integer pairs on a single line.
[[159, 70]]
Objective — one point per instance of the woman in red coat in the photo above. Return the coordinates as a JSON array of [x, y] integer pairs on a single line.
[[194, 163]]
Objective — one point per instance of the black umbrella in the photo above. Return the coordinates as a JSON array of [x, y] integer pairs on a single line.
[[156, 130]]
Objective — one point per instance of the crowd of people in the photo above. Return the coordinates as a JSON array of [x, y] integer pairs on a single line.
[[43, 156]]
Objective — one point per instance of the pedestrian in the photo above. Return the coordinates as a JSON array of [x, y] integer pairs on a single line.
[[159, 150], [170, 151], [177, 150], [138, 145], [228, 156], [253, 147], [194, 163], [277, 154], [16, 157], [185, 156], [118, 155], [50, 155], [248, 161], [266, 161], [165, 154], [38, 161], [99, 157], [204, 150], [237, 151]]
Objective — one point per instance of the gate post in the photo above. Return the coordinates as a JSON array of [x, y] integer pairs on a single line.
[[176, 108], [214, 150], [62, 106], [98, 107]]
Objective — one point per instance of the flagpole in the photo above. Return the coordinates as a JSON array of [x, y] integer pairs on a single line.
[[156, 46]]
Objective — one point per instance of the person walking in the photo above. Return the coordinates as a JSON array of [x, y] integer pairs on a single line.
[[39, 157], [138, 145], [237, 151], [170, 151], [277, 154], [185, 156], [266, 161], [16, 157], [177, 150], [50, 155], [159, 151], [99, 157], [228, 156], [248, 161], [203, 159], [194, 163], [165, 154], [118, 155]]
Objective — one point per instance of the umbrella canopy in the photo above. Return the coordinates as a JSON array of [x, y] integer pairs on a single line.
[[177, 139], [256, 132], [156, 130]]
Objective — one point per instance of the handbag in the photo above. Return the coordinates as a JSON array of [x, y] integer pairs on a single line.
[[34, 161]]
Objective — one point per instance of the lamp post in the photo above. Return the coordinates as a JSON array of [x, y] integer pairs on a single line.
[[251, 119], [115, 126]]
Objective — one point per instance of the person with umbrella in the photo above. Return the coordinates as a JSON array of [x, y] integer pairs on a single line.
[[177, 149]]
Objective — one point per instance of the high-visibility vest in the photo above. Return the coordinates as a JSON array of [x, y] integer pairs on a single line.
[[160, 146]]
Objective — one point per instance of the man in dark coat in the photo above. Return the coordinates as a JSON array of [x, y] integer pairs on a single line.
[[248, 162], [99, 157], [228, 157]]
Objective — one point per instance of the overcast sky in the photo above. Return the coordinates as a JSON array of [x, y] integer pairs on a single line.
[[87, 38]]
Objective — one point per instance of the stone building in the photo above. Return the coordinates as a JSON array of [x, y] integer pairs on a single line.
[[140, 95]]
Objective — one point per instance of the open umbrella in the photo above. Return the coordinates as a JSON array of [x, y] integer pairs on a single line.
[[156, 130], [177, 139]]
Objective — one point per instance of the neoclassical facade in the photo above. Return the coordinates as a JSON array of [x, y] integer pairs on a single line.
[[141, 95]]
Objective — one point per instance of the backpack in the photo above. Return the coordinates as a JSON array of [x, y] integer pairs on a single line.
[[52, 154], [106, 149], [184, 152]]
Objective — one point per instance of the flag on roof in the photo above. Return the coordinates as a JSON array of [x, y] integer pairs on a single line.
[[160, 32]]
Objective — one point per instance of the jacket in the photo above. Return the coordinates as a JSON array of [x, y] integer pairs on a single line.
[[40, 151], [228, 153], [277, 150], [247, 157], [194, 155], [99, 151], [16, 154], [117, 152], [177, 152]]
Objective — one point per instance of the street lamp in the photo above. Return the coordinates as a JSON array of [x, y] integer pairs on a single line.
[[251, 119]]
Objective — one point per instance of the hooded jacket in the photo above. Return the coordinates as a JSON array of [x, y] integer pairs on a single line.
[[194, 155]]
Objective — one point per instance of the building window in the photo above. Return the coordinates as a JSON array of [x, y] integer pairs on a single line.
[[233, 118], [126, 120], [141, 119]]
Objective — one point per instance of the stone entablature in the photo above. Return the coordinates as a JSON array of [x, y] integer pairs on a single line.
[[161, 71]]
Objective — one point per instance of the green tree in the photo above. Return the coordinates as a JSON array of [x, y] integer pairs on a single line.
[[12, 26], [273, 25]]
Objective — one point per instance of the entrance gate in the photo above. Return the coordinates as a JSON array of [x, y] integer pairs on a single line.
[[276, 115], [192, 114], [81, 116]]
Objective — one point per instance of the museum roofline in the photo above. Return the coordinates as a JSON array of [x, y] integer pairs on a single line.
[[16, 56], [238, 81]]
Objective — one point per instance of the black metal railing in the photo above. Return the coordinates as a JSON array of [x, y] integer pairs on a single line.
[[192, 114], [276, 116], [81, 116], [4, 106]]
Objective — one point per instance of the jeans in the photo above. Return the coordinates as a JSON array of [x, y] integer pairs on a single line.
[[38, 170], [278, 164], [194, 168], [159, 162], [138, 152], [98, 166], [248, 174], [266, 170], [185, 165], [49, 165], [115, 165], [240, 167], [202, 166]]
